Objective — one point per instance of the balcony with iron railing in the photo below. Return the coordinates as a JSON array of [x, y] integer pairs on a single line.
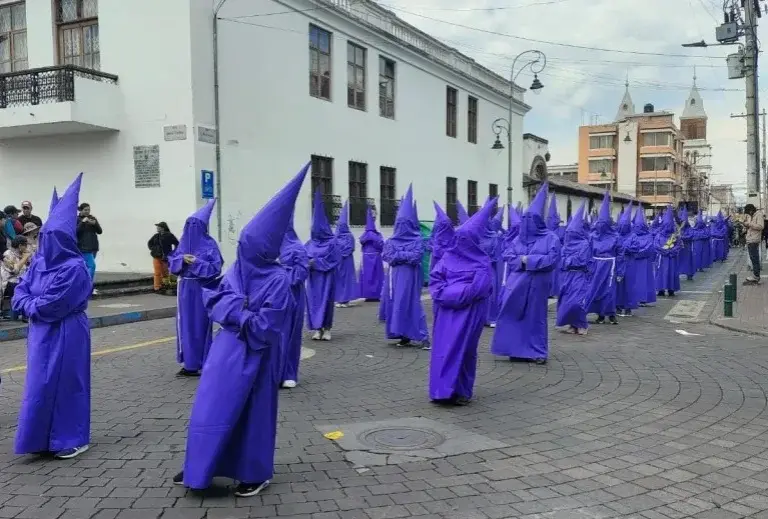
[[332, 205], [58, 100]]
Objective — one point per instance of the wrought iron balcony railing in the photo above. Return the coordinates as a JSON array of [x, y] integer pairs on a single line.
[[388, 212], [45, 85], [332, 205], [358, 208]]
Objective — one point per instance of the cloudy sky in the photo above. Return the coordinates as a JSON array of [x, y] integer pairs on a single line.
[[583, 85]]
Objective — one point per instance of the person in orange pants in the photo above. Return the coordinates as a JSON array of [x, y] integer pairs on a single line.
[[161, 245]]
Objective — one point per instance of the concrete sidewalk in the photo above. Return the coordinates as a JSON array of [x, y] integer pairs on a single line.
[[750, 313], [108, 312]]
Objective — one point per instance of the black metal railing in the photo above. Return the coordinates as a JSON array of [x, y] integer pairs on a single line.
[[388, 212], [45, 85], [358, 208], [332, 205]]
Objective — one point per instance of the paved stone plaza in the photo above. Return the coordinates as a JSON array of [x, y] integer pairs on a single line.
[[656, 418]]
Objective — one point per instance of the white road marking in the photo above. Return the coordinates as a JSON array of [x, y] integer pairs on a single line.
[[307, 353], [683, 332]]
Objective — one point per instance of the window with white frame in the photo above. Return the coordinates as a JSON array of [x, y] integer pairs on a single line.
[[601, 166], [656, 139], [13, 37], [655, 163], [599, 142], [78, 24]]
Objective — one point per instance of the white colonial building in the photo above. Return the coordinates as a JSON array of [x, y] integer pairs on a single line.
[[125, 91]]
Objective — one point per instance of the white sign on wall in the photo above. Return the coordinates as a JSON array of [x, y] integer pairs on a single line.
[[205, 134], [146, 166], [177, 132]]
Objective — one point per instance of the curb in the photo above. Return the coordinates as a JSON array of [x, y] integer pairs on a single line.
[[724, 322], [105, 321]]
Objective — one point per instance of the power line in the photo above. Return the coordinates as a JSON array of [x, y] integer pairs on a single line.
[[499, 8]]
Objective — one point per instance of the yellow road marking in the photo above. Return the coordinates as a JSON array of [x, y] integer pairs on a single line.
[[99, 353]]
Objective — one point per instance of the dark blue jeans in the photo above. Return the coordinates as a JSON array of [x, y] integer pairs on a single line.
[[754, 256]]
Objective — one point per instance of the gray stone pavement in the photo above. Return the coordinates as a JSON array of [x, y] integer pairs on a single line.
[[750, 312], [655, 418]]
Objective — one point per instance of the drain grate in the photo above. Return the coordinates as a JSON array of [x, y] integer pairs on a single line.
[[401, 438]]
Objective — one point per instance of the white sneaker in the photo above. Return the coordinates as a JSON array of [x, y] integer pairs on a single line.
[[317, 335], [326, 336], [493, 325], [95, 292], [289, 384], [68, 454]]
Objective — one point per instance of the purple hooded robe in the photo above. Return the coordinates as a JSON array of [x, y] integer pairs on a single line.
[[521, 330], [490, 242], [644, 284], [55, 412], [371, 265], [667, 274], [700, 243], [346, 276], [404, 252], [553, 224], [627, 298], [233, 425], [609, 262], [686, 261], [575, 266], [294, 258], [442, 236], [461, 213], [719, 232], [461, 284], [324, 258], [194, 330]]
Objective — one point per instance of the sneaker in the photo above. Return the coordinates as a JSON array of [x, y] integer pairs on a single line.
[[426, 346], [600, 320], [326, 336], [183, 372], [178, 479], [540, 362], [492, 325], [289, 384], [613, 320], [250, 489], [95, 292], [317, 335], [581, 331], [68, 454]]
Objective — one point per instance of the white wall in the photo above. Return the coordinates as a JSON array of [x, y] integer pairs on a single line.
[[627, 156], [267, 110], [531, 149]]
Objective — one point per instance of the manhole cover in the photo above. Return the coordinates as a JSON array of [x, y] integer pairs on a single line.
[[401, 438]]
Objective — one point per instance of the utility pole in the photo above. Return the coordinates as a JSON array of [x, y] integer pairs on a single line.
[[751, 10]]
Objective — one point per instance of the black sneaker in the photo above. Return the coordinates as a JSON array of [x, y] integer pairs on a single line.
[[613, 320], [178, 479], [187, 373], [600, 320], [250, 489]]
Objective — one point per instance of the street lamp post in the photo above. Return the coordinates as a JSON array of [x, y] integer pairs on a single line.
[[536, 62]]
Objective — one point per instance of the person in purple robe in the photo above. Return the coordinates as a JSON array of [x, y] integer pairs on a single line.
[[490, 242], [719, 232], [553, 224], [521, 330], [197, 263], [403, 252], [324, 258], [642, 262], [442, 236], [294, 258], [609, 265], [704, 237], [627, 298], [668, 245], [687, 263], [461, 213], [371, 265], [461, 285], [576, 267], [513, 229], [346, 276], [233, 424], [55, 414]]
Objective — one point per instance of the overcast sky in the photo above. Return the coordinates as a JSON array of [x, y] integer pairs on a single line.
[[581, 84]]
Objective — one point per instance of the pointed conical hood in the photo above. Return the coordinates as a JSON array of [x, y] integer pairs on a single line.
[[540, 201], [204, 213], [370, 221], [639, 225], [668, 221], [54, 200], [405, 211], [58, 237], [462, 213], [342, 224], [291, 244], [497, 222], [261, 238], [577, 220], [416, 213], [624, 224], [442, 233], [440, 215], [604, 215], [553, 216], [406, 225], [321, 229], [195, 238], [532, 225], [513, 218], [467, 253]]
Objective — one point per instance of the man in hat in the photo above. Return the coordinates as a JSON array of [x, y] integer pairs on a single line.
[[27, 216]]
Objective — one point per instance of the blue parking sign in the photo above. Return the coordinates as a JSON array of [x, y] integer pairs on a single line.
[[206, 183]]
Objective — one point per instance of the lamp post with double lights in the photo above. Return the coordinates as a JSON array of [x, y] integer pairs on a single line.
[[536, 61]]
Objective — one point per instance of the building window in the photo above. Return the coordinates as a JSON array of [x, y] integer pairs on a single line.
[[387, 194], [493, 190], [386, 88], [663, 188], [358, 192], [355, 76], [656, 139], [79, 33], [655, 163], [472, 120], [319, 63], [451, 197], [322, 175], [599, 142], [601, 166], [13, 38], [451, 104], [472, 197]]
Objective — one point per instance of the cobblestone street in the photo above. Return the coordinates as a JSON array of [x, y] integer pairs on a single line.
[[650, 419]]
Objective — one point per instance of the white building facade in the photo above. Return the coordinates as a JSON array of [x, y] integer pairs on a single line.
[[374, 103]]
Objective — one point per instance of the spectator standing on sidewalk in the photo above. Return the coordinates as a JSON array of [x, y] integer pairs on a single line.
[[754, 224], [88, 230], [15, 262], [27, 216], [161, 245], [12, 225]]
